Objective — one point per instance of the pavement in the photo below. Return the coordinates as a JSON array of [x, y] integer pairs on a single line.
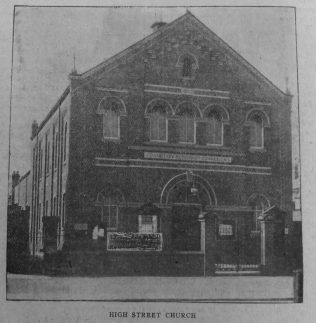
[[257, 289]]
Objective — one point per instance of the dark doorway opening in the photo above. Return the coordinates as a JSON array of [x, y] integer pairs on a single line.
[[186, 229]]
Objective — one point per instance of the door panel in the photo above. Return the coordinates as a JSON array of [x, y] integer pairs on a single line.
[[186, 229]]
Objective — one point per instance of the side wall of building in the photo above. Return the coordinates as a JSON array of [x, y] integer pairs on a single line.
[[49, 175]]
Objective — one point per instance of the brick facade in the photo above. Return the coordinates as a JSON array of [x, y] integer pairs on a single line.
[[141, 169]]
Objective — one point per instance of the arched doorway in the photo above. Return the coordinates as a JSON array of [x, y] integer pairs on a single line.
[[187, 194]]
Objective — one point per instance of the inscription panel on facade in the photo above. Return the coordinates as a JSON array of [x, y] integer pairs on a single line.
[[186, 157], [130, 241]]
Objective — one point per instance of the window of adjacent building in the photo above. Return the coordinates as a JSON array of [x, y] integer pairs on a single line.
[[39, 216], [41, 162], [147, 223], [47, 158], [256, 132], [55, 207], [56, 150], [63, 211], [158, 124], [61, 148], [53, 148], [65, 141], [214, 129], [186, 124], [46, 208]]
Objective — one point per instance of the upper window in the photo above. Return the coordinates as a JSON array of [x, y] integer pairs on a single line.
[[256, 132], [214, 129], [158, 124], [257, 120], [188, 65], [111, 108], [158, 111], [187, 114], [215, 116]]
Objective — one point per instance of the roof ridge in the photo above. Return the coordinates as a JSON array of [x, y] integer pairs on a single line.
[[107, 61], [163, 29], [242, 59]]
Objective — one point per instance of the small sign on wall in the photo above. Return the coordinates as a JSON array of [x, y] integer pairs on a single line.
[[225, 230]]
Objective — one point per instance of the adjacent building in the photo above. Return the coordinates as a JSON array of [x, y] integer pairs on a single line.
[[172, 157]]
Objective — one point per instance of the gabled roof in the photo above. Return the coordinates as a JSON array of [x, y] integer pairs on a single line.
[[188, 16]]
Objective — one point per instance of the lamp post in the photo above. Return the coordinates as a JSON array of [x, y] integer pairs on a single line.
[[201, 217]]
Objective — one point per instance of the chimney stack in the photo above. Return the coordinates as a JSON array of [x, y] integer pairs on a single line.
[[15, 178], [157, 25], [34, 128]]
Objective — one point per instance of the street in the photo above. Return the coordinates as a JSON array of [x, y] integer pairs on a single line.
[[256, 289]]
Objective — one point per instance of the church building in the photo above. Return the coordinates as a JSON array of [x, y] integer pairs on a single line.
[[172, 157]]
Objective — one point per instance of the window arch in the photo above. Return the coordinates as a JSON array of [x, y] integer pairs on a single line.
[[111, 108], [158, 111], [108, 204], [215, 117], [187, 114], [257, 120], [178, 190]]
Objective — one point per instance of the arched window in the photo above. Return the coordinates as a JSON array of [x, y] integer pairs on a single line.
[[65, 141], [108, 208], [111, 109], [187, 64], [187, 67], [216, 116], [214, 129], [257, 120], [158, 111], [186, 123], [158, 124], [256, 132]]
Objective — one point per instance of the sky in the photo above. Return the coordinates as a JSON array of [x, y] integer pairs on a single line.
[[46, 39]]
